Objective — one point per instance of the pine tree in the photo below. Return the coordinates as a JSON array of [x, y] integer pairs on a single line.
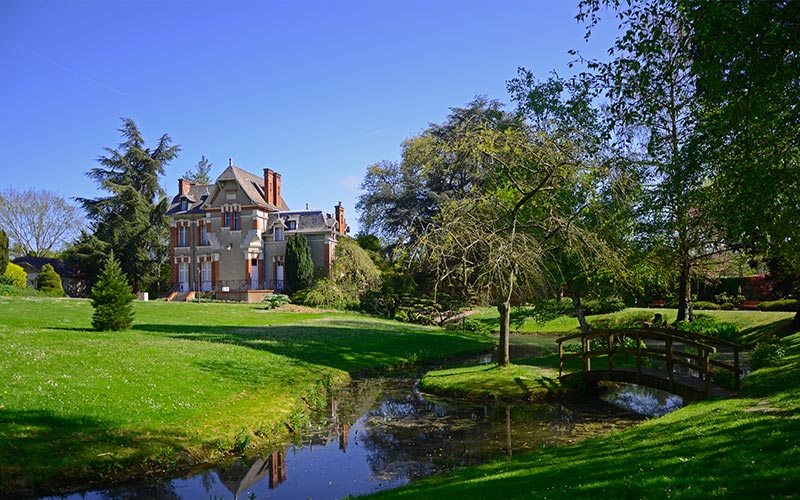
[[112, 299], [3, 251], [49, 282], [299, 265]]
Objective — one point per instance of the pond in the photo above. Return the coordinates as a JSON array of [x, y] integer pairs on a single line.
[[381, 433]]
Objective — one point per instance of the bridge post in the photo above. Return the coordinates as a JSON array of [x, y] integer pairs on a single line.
[[560, 358], [638, 357], [736, 369], [610, 355], [670, 364], [707, 371], [587, 362]]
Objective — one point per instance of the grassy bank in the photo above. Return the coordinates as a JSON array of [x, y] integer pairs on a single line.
[[747, 447], [189, 383]]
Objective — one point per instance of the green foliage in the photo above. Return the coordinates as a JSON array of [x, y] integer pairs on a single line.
[[623, 320], [275, 300], [703, 305], [130, 220], [604, 305], [788, 305], [49, 282], [326, 293], [768, 352], [201, 172], [708, 325], [15, 276], [299, 267], [353, 270], [3, 251], [112, 299]]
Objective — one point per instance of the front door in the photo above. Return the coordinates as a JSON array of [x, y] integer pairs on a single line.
[[254, 274], [205, 276], [279, 276], [183, 277]]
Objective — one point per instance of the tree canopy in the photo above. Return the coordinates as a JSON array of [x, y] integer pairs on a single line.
[[131, 219], [38, 222]]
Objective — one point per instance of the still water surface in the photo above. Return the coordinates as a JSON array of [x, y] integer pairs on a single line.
[[382, 433]]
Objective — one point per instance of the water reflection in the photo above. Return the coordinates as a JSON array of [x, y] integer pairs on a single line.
[[382, 433], [641, 399]]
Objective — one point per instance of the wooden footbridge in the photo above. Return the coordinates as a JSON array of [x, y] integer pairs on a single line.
[[675, 361]]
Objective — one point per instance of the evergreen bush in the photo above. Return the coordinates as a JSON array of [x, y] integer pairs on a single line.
[[785, 305], [49, 282], [299, 267], [112, 299], [15, 276], [3, 251]]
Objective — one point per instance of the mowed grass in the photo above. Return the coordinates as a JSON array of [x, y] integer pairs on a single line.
[[746, 447], [187, 384]]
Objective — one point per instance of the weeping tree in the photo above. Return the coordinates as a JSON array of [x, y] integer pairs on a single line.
[[498, 241]]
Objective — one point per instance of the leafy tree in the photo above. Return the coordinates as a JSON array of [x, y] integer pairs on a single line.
[[436, 166], [130, 221], [3, 251], [112, 298], [299, 267], [201, 172], [49, 282], [353, 269], [652, 107], [14, 275], [747, 65], [39, 223]]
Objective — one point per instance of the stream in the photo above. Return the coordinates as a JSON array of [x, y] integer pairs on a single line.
[[381, 433]]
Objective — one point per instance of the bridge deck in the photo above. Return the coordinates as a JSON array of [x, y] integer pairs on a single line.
[[690, 388]]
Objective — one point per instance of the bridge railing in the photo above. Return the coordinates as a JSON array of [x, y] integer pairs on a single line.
[[675, 348]]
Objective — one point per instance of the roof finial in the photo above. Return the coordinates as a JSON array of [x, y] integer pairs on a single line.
[[230, 162]]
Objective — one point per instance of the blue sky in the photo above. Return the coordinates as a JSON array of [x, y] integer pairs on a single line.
[[316, 90]]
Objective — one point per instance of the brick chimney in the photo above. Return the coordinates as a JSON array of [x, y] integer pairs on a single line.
[[338, 211], [269, 185], [277, 191], [183, 186]]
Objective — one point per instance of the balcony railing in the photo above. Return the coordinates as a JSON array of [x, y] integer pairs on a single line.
[[228, 286]]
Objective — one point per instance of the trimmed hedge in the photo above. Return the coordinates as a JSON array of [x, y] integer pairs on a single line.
[[707, 306], [784, 305]]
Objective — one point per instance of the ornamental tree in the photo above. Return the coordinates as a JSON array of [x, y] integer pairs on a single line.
[[112, 298], [49, 282]]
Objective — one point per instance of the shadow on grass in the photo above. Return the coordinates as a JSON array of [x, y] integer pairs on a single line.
[[350, 346], [39, 449], [752, 336]]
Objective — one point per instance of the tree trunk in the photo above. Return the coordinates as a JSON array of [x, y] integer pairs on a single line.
[[685, 310], [504, 308], [576, 302], [794, 326]]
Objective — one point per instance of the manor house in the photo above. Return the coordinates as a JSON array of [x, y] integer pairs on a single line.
[[229, 237]]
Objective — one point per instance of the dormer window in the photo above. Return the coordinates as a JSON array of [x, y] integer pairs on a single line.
[[184, 205], [291, 225], [277, 233]]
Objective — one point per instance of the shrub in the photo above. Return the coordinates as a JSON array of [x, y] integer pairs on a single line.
[[605, 305], [786, 305], [727, 306], [112, 299], [325, 293], [49, 282], [722, 298], [14, 275], [619, 322], [707, 325], [299, 267], [275, 300], [768, 352], [3, 251], [10, 290], [708, 306]]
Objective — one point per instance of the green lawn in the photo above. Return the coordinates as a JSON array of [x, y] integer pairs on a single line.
[[746, 447], [188, 383]]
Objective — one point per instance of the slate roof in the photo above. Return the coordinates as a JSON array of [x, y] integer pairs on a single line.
[[63, 269], [195, 198], [308, 221], [252, 185]]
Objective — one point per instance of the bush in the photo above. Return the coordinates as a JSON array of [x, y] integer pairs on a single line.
[[325, 293], [727, 306], [707, 325], [15, 276], [49, 282], [112, 299], [708, 306], [605, 305], [619, 322], [10, 290], [275, 300], [299, 266], [785, 305], [768, 352]]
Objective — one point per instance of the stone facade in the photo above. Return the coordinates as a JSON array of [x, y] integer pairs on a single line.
[[229, 237]]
